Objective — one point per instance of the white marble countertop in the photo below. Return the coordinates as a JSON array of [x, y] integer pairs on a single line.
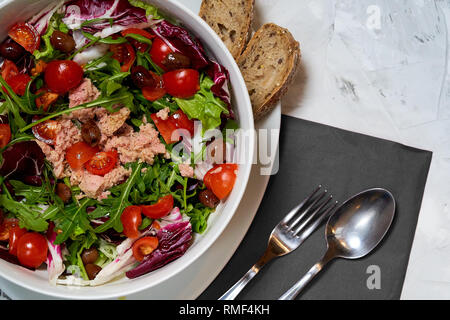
[[380, 67]]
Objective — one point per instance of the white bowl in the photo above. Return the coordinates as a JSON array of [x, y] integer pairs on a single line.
[[20, 10]]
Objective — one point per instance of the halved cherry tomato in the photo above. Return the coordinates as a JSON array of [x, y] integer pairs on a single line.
[[167, 128], [154, 93], [158, 210], [32, 249], [142, 47], [5, 228], [182, 83], [46, 98], [5, 134], [102, 162], [159, 51], [79, 153], [9, 69], [19, 83], [144, 246], [46, 131], [124, 53], [220, 179], [131, 219], [25, 35], [14, 235], [61, 76]]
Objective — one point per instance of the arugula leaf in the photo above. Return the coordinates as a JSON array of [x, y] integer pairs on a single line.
[[29, 215], [204, 106], [120, 203]]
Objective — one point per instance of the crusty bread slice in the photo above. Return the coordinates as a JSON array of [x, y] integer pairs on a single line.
[[268, 66], [231, 20]]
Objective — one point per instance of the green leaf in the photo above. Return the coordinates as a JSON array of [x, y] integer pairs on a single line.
[[72, 218], [120, 203], [29, 215], [149, 9]]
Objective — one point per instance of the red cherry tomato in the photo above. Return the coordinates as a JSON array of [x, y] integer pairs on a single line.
[[63, 75], [32, 249], [159, 51], [9, 69], [19, 83], [14, 235], [25, 35], [131, 219], [102, 162], [159, 209], [124, 53], [182, 83], [79, 153], [220, 179], [167, 128], [5, 134], [144, 246], [46, 131]]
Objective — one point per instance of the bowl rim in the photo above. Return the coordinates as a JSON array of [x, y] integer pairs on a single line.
[[202, 246]]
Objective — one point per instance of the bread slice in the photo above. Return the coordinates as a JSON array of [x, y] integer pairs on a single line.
[[268, 66], [231, 20]]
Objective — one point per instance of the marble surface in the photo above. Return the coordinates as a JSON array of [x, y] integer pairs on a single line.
[[380, 67]]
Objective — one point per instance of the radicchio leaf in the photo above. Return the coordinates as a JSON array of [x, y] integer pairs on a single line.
[[22, 159], [174, 240]]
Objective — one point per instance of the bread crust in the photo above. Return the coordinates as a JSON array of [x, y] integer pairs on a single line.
[[280, 90], [248, 7]]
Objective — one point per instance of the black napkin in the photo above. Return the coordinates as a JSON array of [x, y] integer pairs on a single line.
[[346, 163]]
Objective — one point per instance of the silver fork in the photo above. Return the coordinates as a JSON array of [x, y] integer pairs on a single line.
[[289, 234]]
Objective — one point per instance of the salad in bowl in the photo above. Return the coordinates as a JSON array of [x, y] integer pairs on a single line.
[[117, 141]]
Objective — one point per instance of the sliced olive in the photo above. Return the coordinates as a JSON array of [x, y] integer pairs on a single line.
[[208, 198], [90, 133], [175, 60], [64, 192], [62, 41], [92, 270], [89, 256]]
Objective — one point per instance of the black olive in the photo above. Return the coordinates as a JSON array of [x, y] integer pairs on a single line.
[[175, 60], [62, 41], [208, 198], [90, 133], [89, 255], [92, 270], [11, 50], [142, 78], [64, 192]]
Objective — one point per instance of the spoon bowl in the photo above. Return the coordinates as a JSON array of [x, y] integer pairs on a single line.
[[353, 231], [360, 223]]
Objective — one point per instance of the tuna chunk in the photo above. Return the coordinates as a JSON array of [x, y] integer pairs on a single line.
[[186, 170], [143, 145], [67, 135], [110, 123], [84, 93]]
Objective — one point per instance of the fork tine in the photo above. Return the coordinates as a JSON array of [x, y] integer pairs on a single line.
[[307, 210], [318, 206], [325, 214], [294, 211]]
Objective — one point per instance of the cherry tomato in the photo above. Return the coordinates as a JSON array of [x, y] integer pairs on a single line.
[[167, 128], [32, 249], [102, 162], [156, 92], [5, 134], [14, 235], [159, 51], [220, 179], [19, 83], [5, 228], [182, 83], [144, 246], [63, 75], [46, 99], [79, 153], [25, 35], [124, 53], [131, 219], [160, 208], [9, 69], [46, 131]]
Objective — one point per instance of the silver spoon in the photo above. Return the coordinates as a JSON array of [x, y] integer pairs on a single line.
[[353, 231]]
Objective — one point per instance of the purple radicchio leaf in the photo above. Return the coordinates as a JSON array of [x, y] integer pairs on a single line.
[[22, 159], [174, 240]]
